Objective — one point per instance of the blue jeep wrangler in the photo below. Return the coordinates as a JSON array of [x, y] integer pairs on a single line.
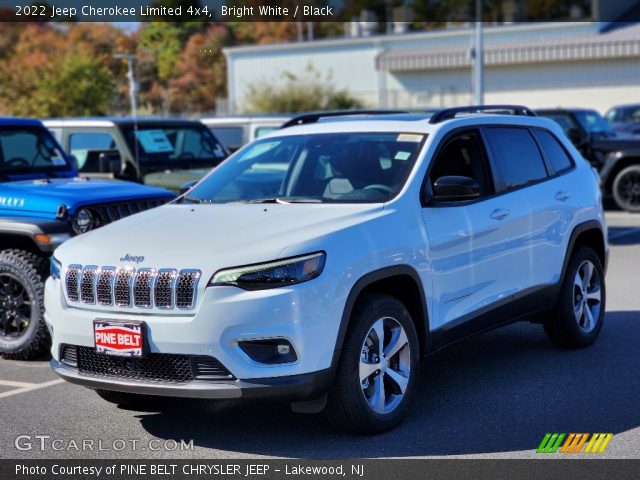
[[43, 202]]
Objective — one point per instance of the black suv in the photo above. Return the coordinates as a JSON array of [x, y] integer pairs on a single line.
[[615, 156]]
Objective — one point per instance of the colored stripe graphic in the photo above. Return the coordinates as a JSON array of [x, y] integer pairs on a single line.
[[574, 442]]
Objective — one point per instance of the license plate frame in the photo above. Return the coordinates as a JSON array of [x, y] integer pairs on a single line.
[[123, 338]]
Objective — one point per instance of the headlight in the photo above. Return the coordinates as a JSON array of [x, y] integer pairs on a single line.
[[280, 273], [83, 221], [54, 267]]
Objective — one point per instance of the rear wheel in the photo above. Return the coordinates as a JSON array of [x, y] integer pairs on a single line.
[[626, 189], [23, 333], [378, 368], [580, 311]]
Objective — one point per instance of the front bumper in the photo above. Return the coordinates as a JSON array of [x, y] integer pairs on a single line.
[[295, 387]]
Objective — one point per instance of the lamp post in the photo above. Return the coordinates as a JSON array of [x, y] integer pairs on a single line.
[[478, 58], [133, 85]]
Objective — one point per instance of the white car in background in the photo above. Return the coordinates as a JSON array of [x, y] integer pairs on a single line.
[[234, 132], [321, 263]]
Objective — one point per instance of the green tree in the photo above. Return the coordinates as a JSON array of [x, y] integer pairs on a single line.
[[304, 93]]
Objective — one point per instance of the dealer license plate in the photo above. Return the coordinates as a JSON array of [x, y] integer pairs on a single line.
[[125, 339]]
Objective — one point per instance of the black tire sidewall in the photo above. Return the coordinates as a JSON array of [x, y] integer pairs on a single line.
[[564, 330], [616, 185], [18, 264], [369, 311]]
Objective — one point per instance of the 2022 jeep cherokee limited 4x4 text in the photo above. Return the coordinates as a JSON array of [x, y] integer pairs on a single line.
[[42, 203], [321, 262]]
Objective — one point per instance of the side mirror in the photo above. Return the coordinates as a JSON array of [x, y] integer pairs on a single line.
[[111, 162], [455, 189], [74, 162], [576, 136], [185, 187]]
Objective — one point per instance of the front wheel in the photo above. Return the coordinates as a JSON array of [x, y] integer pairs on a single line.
[[626, 189], [579, 315], [378, 368], [23, 334]]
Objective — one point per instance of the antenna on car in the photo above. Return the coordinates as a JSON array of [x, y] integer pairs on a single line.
[[449, 113]]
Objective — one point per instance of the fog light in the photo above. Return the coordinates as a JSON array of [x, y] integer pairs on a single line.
[[270, 351]]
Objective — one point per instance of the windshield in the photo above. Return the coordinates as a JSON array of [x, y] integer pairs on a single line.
[[174, 144], [624, 115], [29, 149], [319, 168], [593, 122]]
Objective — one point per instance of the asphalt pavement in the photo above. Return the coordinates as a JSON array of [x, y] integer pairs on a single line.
[[492, 396]]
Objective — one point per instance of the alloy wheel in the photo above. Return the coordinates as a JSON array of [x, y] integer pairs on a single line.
[[385, 365], [587, 296], [15, 307]]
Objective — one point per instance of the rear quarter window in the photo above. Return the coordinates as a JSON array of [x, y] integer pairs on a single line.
[[516, 155], [554, 152]]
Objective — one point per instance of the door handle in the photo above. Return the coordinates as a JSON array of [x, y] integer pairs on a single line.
[[499, 214], [562, 196]]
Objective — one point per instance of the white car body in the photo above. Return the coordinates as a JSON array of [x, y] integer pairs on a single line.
[[467, 260]]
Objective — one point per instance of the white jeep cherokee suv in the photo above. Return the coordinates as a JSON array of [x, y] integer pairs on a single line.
[[320, 263]]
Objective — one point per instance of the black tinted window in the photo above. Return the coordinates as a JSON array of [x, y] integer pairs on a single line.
[[553, 151], [516, 155]]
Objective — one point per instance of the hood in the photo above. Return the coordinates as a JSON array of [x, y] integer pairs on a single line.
[[43, 197], [174, 179], [617, 143], [210, 237]]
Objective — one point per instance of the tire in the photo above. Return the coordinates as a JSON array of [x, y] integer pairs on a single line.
[[127, 400], [626, 189], [351, 402], [23, 333], [576, 322]]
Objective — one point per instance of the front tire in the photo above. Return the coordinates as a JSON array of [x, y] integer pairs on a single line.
[[23, 333], [378, 368], [626, 189], [579, 315]]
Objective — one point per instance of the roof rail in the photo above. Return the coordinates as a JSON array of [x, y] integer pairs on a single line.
[[316, 116], [449, 113]]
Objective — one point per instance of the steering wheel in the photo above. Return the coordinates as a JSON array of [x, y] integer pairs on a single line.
[[379, 186], [18, 160]]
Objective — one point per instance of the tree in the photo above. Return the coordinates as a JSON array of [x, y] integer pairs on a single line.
[[304, 93]]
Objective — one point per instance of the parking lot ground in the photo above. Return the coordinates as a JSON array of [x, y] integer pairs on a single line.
[[493, 396]]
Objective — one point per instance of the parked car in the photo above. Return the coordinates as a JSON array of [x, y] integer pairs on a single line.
[[156, 151], [234, 132], [625, 119], [616, 157], [42, 204], [321, 263]]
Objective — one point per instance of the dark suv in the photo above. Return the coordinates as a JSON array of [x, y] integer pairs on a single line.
[[615, 156]]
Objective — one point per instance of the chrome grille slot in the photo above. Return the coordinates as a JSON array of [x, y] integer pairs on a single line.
[[72, 282], [164, 288], [142, 287], [122, 288], [88, 284], [104, 285], [165, 283], [186, 288]]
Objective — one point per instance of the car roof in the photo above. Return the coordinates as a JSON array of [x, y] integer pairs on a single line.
[[112, 121], [20, 122], [410, 123]]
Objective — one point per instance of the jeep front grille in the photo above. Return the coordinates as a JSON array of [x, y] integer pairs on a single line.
[[115, 211], [164, 288]]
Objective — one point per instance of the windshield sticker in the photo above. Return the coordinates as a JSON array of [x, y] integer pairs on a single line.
[[154, 141], [410, 137], [259, 149], [402, 155], [58, 161]]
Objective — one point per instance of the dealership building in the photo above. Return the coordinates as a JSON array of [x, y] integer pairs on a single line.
[[592, 64]]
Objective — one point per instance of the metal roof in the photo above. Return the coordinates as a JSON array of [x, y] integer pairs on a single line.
[[618, 43], [19, 122]]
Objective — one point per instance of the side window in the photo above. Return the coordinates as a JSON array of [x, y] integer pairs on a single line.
[[516, 155], [553, 151], [230, 137], [80, 144], [463, 156]]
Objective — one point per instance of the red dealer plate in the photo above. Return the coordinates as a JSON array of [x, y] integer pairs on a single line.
[[125, 339]]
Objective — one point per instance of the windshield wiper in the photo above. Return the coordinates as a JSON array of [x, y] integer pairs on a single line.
[[281, 200], [192, 199]]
